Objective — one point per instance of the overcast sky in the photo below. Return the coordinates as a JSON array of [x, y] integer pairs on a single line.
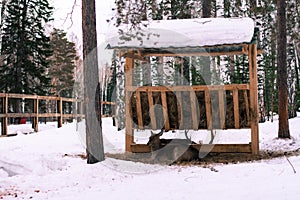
[[71, 23]]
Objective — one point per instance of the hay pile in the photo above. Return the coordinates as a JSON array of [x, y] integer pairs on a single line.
[[179, 110]]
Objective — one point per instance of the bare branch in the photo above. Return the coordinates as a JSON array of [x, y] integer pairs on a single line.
[[291, 165], [70, 14]]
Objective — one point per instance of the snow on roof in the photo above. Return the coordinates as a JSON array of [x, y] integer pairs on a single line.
[[189, 33]]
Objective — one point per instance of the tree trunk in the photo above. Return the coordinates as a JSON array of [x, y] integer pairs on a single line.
[[283, 131], [206, 13], [94, 141], [206, 8], [1, 23]]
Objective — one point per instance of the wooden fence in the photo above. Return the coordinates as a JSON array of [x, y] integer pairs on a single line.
[[41, 108]]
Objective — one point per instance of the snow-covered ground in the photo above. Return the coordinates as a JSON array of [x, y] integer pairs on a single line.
[[49, 165]]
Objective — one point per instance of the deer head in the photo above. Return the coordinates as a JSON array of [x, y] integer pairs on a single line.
[[154, 140]]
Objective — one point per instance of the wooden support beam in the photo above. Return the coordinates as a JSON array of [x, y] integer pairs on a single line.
[[203, 148], [165, 110], [151, 110], [194, 110], [194, 88], [36, 118], [247, 106], [223, 148], [60, 111], [189, 54], [208, 109], [179, 110], [222, 109], [4, 120], [253, 99], [129, 138], [79, 111], [236, 108], [139, 110]]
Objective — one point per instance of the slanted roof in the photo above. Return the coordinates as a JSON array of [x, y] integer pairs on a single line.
[[189, 35]]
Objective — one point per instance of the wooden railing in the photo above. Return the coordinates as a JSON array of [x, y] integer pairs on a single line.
[[190, 107], [44, 108], [108, 109], [36, 107]]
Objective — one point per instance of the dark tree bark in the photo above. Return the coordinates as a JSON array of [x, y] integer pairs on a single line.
[[94, 141], [283, 131], [206, 13], [206, 6]]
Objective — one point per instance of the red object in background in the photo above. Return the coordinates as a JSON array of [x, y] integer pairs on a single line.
[[22, 121]]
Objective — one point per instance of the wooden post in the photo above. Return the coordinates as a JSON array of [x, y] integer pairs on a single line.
[[194, 110], [221, 108], [247, 107], [152, 113], [139, 110], [253, 99], [129, 138], [165, 110], [4, 120], [179, 109], [236, 108], [208, 109], [60, 112], [36, 112], [79, 111]]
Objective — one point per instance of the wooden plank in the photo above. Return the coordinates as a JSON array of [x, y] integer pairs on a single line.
[[253, 99], [36, 118], [69, 116], [139, 110], [151, 109], [21, 96], [203, 148], [165, 110], [68, 99], [48, 98], [179, 110], [79, 111], [222, 109], [247, 106], [4, 120], [107, 103], [196, 54], [188, 88], [14, 115], [140, 148], [194, 110], [236, 108], [49, 114], [208, 109], [60, 111], [129, 137], [223, 148]]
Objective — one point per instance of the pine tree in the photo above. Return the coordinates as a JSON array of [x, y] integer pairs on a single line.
[[62, 62], [26, 47]]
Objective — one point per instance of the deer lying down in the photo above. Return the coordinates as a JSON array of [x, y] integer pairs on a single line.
[[171, 150]]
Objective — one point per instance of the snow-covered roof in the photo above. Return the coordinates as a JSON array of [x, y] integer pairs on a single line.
[[188, 33]]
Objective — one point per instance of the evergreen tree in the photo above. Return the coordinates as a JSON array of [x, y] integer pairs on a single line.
[[26, 47], [63, 62]]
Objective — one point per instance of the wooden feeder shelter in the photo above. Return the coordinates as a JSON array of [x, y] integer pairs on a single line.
[[193, 37]]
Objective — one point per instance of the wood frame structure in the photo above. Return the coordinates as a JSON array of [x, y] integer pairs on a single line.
[[59, 114], [249, 49]]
